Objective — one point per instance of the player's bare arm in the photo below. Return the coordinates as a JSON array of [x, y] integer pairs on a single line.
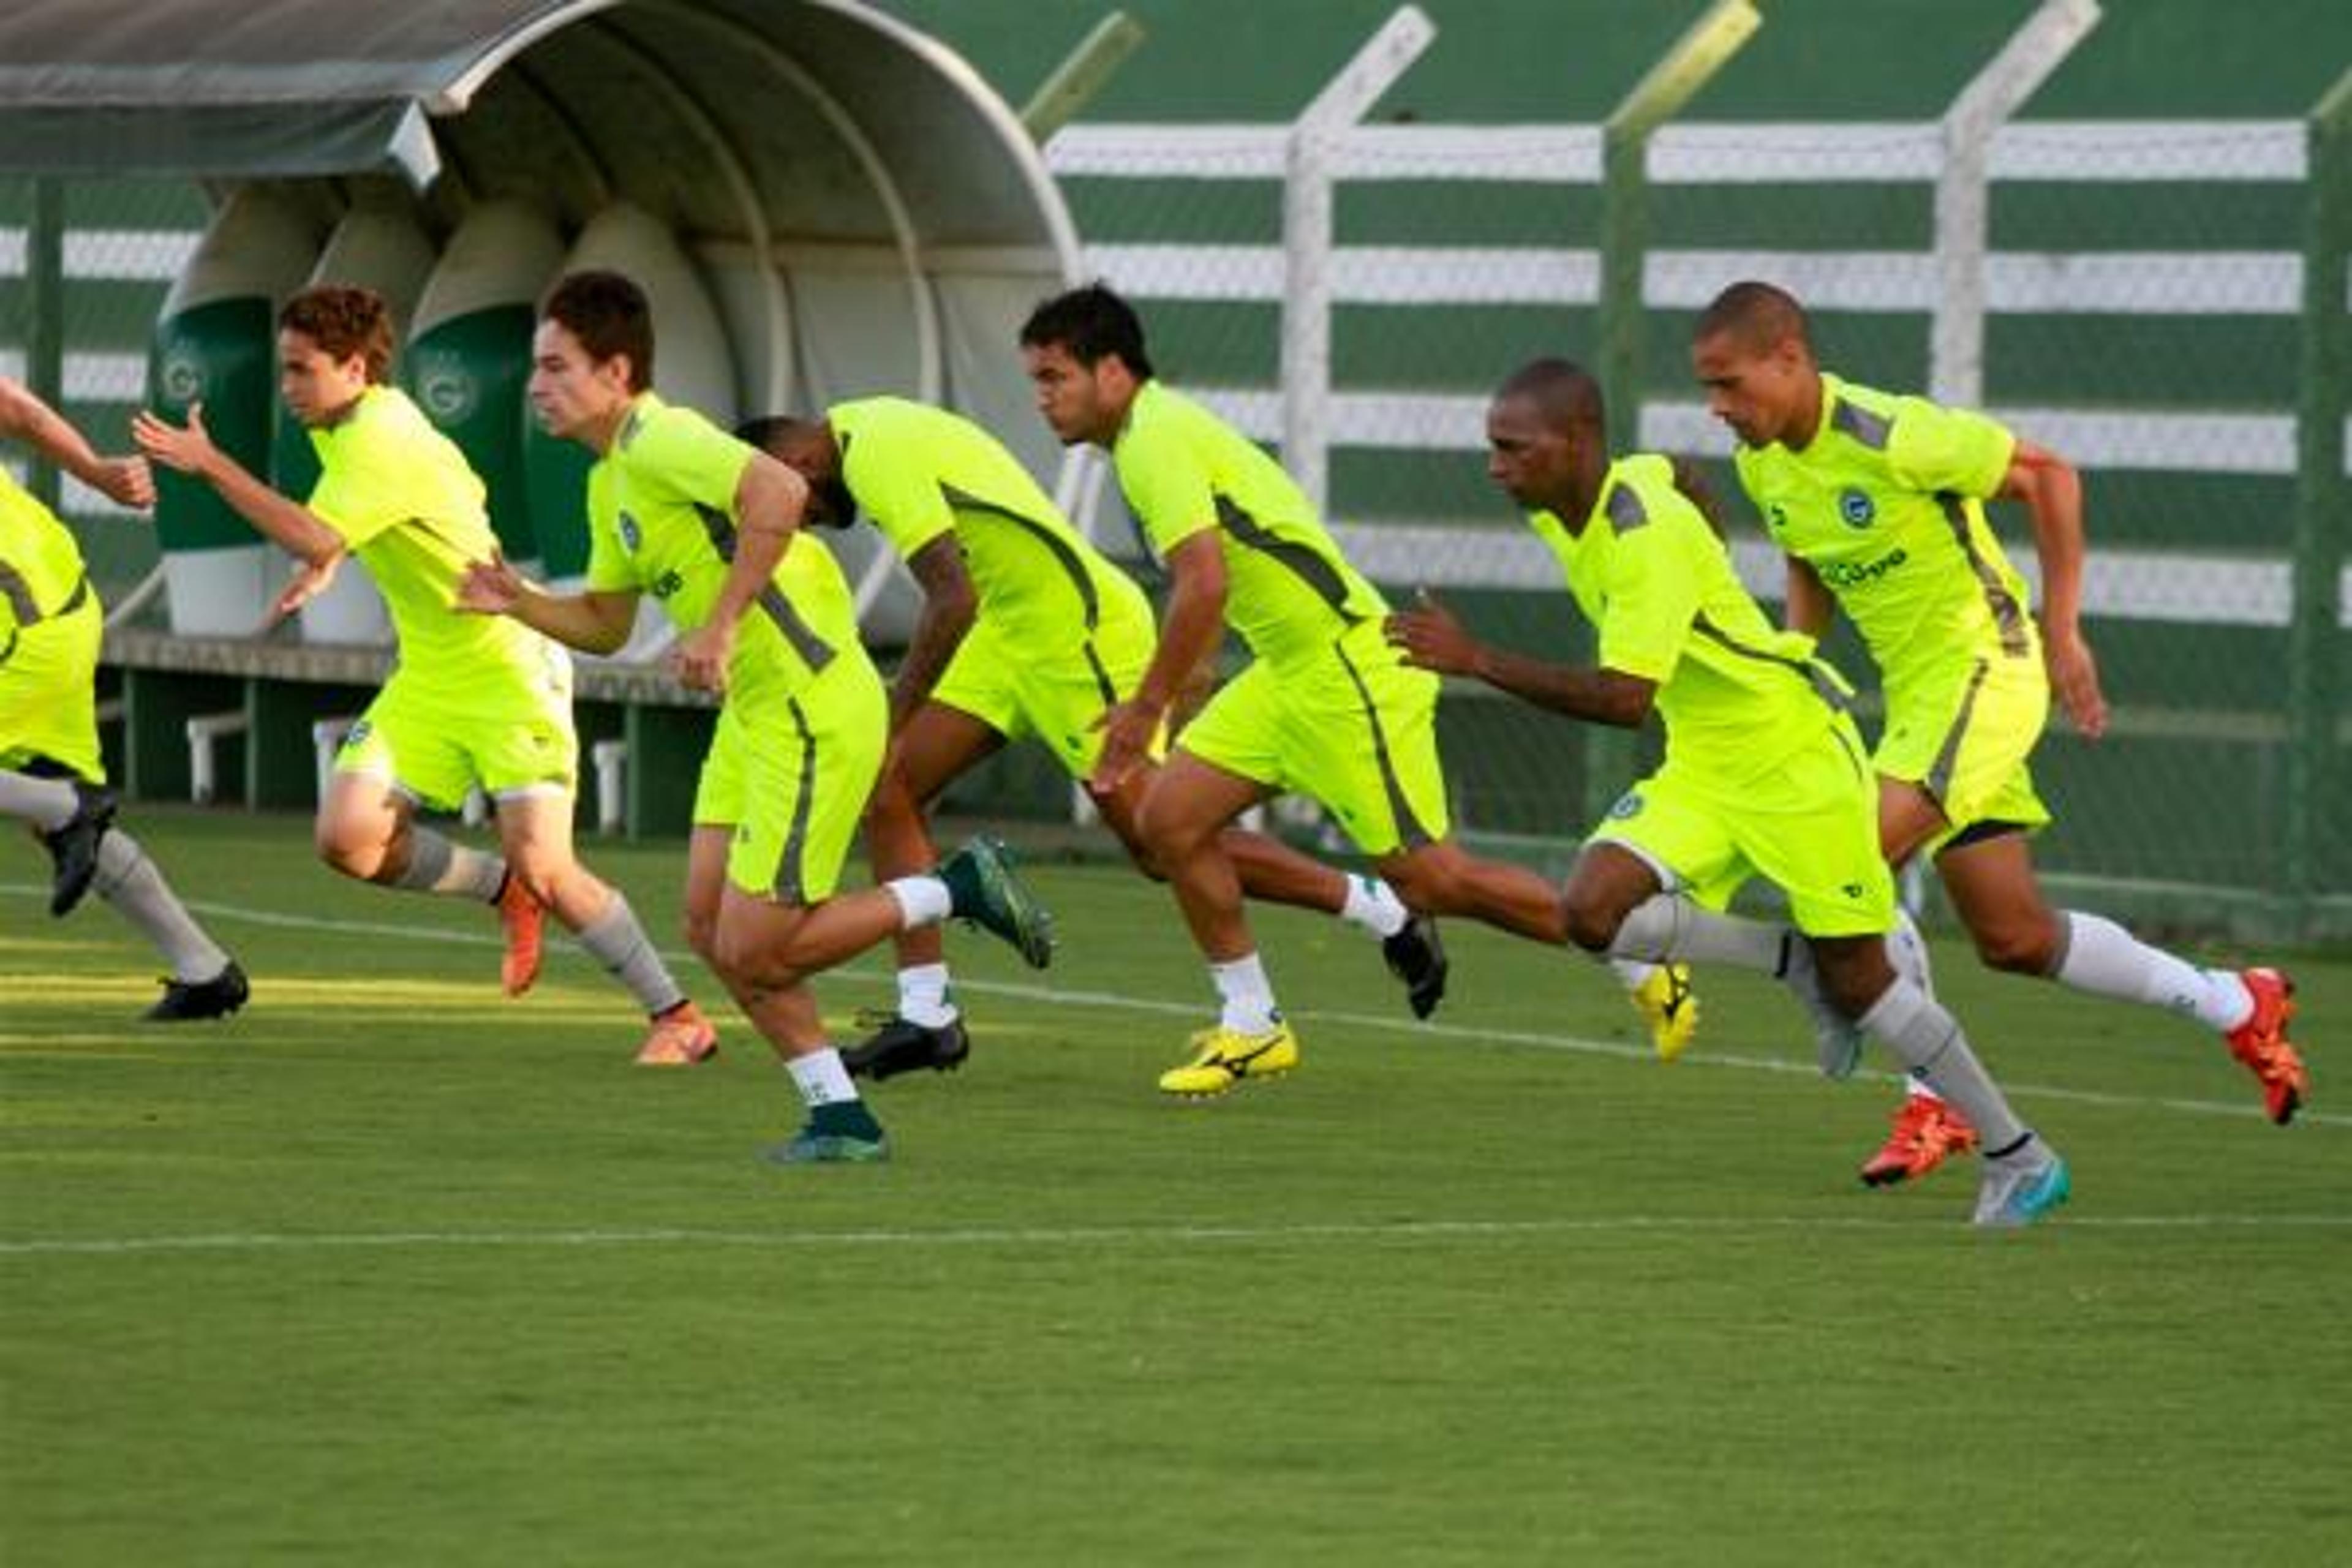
[[1811, 606], [2051, 492], [1188, 636], [1432, 638], [951, 605], [769, 502], [598, 621], [189, 449], [25, 417]]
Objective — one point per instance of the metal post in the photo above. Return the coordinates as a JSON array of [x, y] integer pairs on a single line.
[[1080, 76], [1696, 56], [44, 302], [1307, 241], [2323, 502], [1963, 227]]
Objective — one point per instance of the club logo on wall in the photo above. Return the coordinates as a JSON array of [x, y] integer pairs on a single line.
[[180, 376], [447, 391]]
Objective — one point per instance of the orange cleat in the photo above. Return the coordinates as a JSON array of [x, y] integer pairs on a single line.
[[2261, 1043], [679, 1038], [1927, 1133], [523, 918]]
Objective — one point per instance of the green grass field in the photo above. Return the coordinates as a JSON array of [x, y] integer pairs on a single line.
[[391, 1270]]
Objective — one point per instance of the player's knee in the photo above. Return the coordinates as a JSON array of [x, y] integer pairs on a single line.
[[2024, 947], [1592, 921], [349, 854], [702, 935]]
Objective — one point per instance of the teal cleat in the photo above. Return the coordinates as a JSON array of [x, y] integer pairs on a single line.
[[2021, 1188], [985, 889], [811, 1147]]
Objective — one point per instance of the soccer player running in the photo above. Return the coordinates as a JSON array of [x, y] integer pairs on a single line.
[[469, 701], [1025, 630], [1878, 501], [1326, 707], [710, 527], [52, 776], [1763, 770]]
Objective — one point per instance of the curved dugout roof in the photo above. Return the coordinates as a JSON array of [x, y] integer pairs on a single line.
[[872, 215]]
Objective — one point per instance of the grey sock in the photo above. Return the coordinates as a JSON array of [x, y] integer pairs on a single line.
[[1667, 928], [130, 881], [48, 803], [436, 865], [1928, 1041], [618, 943]]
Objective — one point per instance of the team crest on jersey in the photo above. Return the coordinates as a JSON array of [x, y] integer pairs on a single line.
[[1855, 507], [1628, 806], [633, 538], [1777, 515]]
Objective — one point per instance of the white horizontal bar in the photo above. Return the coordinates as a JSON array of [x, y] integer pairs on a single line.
[[2135, 283], [91, 377], [2090, 438], [2119, 151], [133, 255], [2118, 585]]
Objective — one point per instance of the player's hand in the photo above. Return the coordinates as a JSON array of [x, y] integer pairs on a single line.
[[489, 587], [127, 481], [1431, 638], [186, 449], [701, 657], [306, 583], [2075, 676], [1127, 728]]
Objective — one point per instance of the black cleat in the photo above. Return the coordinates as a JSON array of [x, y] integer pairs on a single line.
[[1417, 957], [185, 1000], [73, 845], [900, 1045]]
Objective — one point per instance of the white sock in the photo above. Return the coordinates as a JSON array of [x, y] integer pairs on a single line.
[[1633, 974], [1906, 950], [616, 941], [2102, 958], [1927, 1039], [924, 997], [821, 1078], [129, 880], [1918, 1087], [1248, 996], [48, 803], [922, 900], [1373, 905], [436, 865], [1668, 928]]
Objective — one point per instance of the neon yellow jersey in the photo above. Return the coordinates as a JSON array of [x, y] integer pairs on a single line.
[[1289, 592], [919, 472], [1737, 695], [661, 510], [404, 501], [1886, 504], [41, 572]]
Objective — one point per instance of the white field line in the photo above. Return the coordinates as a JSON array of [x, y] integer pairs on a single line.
[[1432, 1230], [1116, 1002]]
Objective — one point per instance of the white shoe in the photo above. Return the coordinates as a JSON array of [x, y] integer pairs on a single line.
[[2021, 1187]]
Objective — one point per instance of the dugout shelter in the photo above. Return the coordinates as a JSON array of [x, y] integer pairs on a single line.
[[823, 202]]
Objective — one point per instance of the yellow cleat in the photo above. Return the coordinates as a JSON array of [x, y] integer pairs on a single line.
[[1222, 1057], [1670, 1007]]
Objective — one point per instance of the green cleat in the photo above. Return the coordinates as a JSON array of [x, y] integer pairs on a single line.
[[810, 1147], [985, 889]]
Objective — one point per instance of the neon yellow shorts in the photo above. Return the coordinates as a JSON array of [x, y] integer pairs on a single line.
[[49, 692], [1963, 736], [1810, 827], [1024, 688], [1355, 731], [435, 743], [791, 775]]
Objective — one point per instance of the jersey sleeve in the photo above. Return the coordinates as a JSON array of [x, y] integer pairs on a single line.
[[686, 455], [1935, 449], [1166, 484], [1653, 594], [360, 492], [897, 489]]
